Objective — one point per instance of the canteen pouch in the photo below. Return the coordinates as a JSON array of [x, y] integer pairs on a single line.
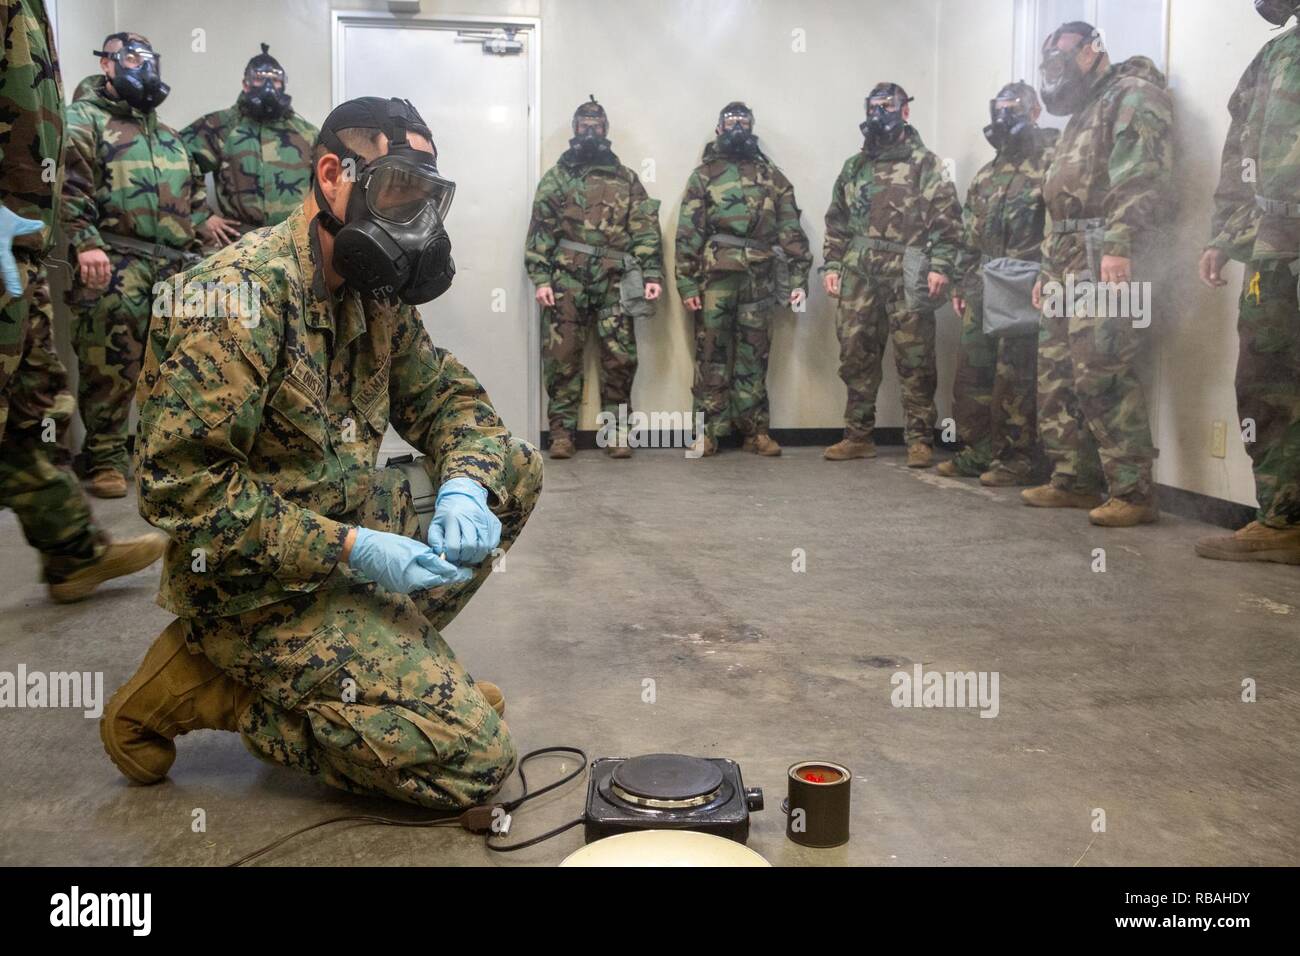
[[631, 290], [916, 281], [1008, 297], [423, 493], [781, 275]]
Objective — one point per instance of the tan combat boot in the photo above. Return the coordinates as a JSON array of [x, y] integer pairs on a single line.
[[619, 451], [948, 469], [761, 444], [847, 449], [1050, 496], [919, 455], [1255, 542], [999, 477], [561, 447], [492, 693], [107, 483], [119, 558], [704, 447], [1118, 513], [172, 693]]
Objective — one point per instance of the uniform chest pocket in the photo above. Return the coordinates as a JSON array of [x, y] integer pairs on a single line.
[[607, 202], [294, 404]]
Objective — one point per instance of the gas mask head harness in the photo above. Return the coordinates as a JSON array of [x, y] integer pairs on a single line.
[[736, 130], [1012, 115], [265, 98], [137, 76], [1065, 85], [1277, 12], [392, 244], [885, 122], [590, 131]]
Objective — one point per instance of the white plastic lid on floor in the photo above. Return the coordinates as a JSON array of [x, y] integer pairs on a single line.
[[665, 848]]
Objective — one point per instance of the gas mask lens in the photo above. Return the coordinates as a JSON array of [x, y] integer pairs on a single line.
[[264, 77], [735, 121], [398, 192], [135, 56]]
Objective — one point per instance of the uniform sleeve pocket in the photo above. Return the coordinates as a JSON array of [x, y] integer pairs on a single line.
[[212, 391]]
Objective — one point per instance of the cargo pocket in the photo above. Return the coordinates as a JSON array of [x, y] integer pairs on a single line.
[[290, 678]]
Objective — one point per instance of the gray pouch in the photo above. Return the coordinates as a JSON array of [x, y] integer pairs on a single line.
[[916, 281], [423, 493], [781, 275], [1008, 297], [631, 291]]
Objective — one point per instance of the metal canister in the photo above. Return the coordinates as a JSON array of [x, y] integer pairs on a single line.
[[817, 809]]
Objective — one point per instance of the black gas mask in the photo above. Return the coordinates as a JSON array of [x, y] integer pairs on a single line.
[[736, 131], [1065, 85], [1011, 113], [884, 124], [392, 244], [590, 141], [265, 99], [1276, 12], [137, 76]]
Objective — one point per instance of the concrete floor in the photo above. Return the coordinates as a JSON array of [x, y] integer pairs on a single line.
[[1119, 690]]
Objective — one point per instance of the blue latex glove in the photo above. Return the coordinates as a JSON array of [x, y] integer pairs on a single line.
[[11, 225], [463, 529], [401, 564]]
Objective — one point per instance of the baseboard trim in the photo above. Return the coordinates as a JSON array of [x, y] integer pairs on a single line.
[[1175, 501]]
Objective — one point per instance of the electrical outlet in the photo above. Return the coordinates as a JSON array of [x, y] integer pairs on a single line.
[[1219, 439]]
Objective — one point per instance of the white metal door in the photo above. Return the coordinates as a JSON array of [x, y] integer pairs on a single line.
[[481, 107]]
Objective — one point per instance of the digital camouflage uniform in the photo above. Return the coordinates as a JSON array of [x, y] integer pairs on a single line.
[[747, 198], [260, 170], [33, 382], [1114, 162], [995, 391], [1265, 112], [258, 437], [900, 196], [602, 205], [128, 174]]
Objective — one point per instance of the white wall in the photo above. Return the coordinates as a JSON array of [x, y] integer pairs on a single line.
[[664, 69]]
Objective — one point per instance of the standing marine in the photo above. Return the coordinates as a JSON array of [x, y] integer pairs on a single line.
[[1257, 221], [594, 255], [741, 252], [893, 238], [995, 391]]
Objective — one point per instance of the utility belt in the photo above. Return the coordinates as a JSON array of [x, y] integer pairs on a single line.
[[153, 250], [916, 272], [1276, 207], [780, 284], [631, 287], [1094, 234]]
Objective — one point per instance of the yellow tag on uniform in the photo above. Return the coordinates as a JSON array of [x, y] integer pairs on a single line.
[[1253, 288]]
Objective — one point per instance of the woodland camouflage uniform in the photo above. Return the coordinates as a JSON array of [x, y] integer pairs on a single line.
[[902, 197], [995, 391], [600, 204], [1113, 163], [50, 507], [745, 199], [1265, 111], [128, 174], [260, 169]]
